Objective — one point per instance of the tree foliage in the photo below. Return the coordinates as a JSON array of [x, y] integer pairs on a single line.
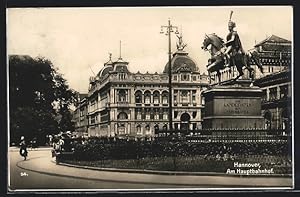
[[38, 94]]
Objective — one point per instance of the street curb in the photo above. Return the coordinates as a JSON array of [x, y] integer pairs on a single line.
[[14, 149], [169, 172]]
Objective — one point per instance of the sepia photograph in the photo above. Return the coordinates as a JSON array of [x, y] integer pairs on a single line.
[[174, 98]]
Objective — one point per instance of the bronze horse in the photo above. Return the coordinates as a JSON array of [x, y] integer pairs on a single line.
[[217, 60]]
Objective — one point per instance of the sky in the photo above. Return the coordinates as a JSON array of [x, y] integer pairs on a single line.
[[78, 40]]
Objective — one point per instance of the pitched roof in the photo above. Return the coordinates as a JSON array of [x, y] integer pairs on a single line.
[[273, 39]]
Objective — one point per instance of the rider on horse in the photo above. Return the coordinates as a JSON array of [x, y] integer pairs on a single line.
[[233, 44]]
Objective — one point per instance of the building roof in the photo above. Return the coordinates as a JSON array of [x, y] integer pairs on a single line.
[[108, 66], [273, 39], [274, 78], [181, 62], [117, 66], [120, 65], [105, 70]]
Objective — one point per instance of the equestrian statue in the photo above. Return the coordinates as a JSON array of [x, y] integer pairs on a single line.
[[229, 53]]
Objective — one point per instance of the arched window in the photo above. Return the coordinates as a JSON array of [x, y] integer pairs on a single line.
[[138, 130], [185, 117], [165, 96], [185, 121], [165, 127], [185, 77], [122, 116], [148, 131], [138, 96], [122, 95], [156, 97], [147, 96]]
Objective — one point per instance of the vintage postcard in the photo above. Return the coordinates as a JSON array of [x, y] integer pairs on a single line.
[[150, 98]]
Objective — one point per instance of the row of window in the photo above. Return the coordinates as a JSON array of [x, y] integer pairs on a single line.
[[150, 116], [138, 116], [155, 114], [183, 77], [122, 96], [273, 93]]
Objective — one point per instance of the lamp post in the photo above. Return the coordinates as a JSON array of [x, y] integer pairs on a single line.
[[167, 30]]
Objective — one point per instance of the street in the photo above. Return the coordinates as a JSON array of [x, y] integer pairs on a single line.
[[40, 173]]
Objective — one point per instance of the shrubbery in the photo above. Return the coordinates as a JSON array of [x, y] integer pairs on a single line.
[[177, 155], [104, 149]]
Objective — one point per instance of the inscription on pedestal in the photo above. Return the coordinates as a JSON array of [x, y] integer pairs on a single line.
[[237, 107], [241, 106]]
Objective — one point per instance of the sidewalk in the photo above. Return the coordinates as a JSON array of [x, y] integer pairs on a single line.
[[161, 172], [50, 168]]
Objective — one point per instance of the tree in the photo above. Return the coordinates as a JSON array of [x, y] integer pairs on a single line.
[[38, 93]]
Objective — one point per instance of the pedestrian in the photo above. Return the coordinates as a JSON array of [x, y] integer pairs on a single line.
[[50, 139], [23, 148], [69, 134], [61, 144], [33, 143]]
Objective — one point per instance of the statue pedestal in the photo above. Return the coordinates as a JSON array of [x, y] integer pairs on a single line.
[[233, 106]]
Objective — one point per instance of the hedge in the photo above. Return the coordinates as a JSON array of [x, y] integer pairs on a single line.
[[105, 149]]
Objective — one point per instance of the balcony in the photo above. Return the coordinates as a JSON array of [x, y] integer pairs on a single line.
[[123, 104], [138, 104]]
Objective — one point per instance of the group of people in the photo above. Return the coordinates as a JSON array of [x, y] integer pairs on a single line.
[[60, 142]]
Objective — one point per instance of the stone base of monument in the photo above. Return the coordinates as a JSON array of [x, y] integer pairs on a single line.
[[233, 105]]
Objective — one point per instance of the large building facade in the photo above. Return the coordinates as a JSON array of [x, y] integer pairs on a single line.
[[126, 104]]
